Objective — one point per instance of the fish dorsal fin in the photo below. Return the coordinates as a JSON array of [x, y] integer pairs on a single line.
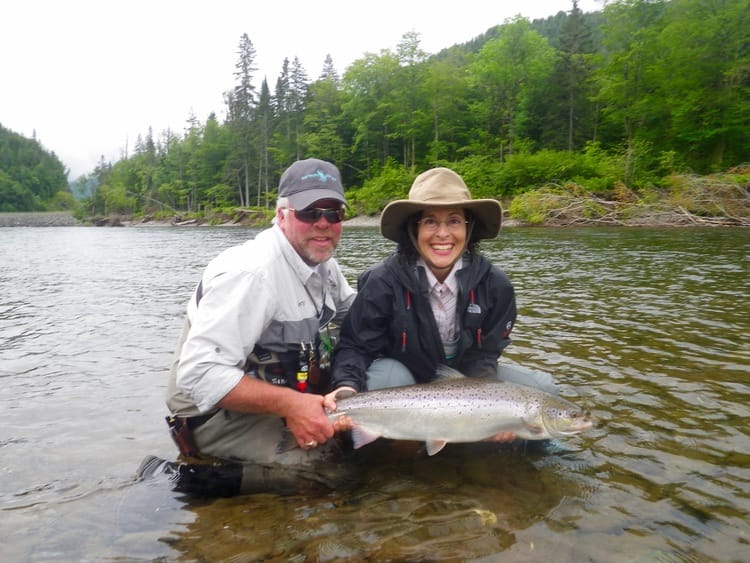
[[434, 446], [446, 372]]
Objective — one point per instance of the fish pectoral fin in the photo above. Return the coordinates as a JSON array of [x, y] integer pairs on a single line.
[[444, 372], [434, 446], [362, 437], [533, 428]]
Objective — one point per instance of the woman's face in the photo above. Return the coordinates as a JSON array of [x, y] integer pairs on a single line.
[[441, 238]]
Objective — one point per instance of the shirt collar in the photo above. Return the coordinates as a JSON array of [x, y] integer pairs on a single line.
[[450, 281]]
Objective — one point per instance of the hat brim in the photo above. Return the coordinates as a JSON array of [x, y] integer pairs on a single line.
[[488, 215], [306, 198]]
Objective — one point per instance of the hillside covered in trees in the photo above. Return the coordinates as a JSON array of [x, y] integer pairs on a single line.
[[31, 178], [613, 104]]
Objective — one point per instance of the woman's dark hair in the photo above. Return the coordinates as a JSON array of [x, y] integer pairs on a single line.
[[408, 253]]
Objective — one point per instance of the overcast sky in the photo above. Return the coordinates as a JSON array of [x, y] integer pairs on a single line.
[[89, 76]]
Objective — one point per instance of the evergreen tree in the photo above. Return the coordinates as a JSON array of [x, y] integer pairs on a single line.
[[563, 114], [241, 104], [323, 122], [297, 101], [264, 120], [284, 142]]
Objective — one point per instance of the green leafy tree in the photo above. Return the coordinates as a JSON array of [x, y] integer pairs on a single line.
[[408, 116], [624, 81], [446, 91], [704, 80], [368, 85], [506, 71]]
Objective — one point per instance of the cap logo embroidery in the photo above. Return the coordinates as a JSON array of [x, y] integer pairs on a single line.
[[320, 175]]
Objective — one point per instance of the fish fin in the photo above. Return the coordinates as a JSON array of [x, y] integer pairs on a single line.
[[447, 372], [533, 429], [434, 446], [362, 437]]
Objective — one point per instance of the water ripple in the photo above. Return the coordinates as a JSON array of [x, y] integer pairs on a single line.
[[646, 328]]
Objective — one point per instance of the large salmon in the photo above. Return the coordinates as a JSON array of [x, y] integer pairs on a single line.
[[455, 408]]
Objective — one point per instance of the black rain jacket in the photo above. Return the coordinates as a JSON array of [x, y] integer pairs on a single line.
[[391, 317]]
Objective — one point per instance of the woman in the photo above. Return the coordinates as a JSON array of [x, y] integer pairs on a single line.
[[436, 300]]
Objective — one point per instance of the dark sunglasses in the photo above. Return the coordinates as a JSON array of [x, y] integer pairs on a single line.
[[313, 214]]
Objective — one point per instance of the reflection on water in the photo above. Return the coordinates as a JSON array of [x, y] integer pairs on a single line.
[[647, 328], [461, 504]]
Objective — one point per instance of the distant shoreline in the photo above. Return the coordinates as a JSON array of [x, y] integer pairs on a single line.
[[66, 219], [38, 219]]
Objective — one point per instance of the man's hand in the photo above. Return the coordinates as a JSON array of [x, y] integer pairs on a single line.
[[304, 413], [307, 421]]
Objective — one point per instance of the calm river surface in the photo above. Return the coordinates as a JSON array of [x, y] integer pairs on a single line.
[[649, 329]]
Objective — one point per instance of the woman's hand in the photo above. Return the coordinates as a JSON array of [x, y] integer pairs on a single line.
[[501, 437]]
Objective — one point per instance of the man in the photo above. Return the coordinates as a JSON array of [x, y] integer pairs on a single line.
[[246, 373]]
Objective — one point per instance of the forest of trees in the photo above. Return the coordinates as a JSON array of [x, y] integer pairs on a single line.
[[611, 100], [31, 178]]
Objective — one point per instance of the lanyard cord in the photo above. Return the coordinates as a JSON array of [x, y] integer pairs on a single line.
[[318, 312]]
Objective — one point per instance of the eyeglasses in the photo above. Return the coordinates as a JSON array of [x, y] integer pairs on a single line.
[[431, 225], [313, 214]]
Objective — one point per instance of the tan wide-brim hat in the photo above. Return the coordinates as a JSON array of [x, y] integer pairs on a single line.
[[440, 187]]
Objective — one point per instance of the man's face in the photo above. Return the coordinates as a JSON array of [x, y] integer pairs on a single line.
[[315, 241]]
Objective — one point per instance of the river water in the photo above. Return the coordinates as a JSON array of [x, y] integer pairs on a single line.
[[649, 329]]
